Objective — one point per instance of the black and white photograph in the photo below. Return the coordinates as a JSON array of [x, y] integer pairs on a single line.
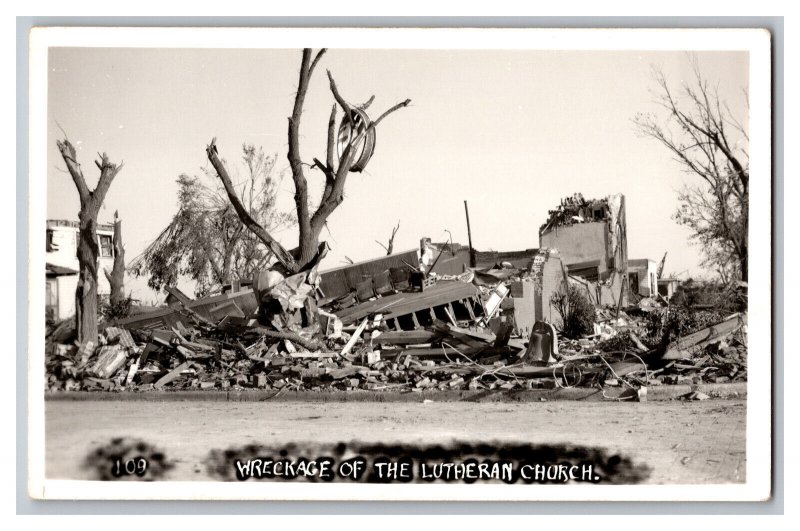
[[400, 264]]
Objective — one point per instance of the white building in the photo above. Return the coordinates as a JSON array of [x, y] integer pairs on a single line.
[[62, 265], [643, 277]]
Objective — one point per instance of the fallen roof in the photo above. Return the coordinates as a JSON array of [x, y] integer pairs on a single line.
[[405, 303]]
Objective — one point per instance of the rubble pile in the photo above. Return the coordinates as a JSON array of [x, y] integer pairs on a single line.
[[636, 349], [644, 358], [576, 209], [396, 324], [236, 355]]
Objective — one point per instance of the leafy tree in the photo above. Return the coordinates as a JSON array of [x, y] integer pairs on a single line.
[[206, 241], [709, 142]]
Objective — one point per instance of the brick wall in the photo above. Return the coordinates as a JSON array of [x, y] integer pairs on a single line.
[[532, 297]]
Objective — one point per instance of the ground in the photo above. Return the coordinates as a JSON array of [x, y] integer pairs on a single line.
[[682, 442]]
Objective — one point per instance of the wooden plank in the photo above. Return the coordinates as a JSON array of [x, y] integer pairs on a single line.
[[224, 309], [468, 304], [313, 354], [148, 349], [190, 354], [444, 328], [171, 375], [437, 295], [699, 339], [433, 353], [405, 337], [178, 294], [530, 372], [245, 299], [409, 302], [451, 313], [354, 338]]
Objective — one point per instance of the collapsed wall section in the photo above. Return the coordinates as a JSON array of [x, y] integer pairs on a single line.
[[591, 237]]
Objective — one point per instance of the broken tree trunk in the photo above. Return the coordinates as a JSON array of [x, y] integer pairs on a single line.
[[88, 248], [390, 248], [86, 293], [116, 279]]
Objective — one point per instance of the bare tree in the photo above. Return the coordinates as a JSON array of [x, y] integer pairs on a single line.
[[116, 278], [390, 247], [88, 249], [708, 141], [336, 169]]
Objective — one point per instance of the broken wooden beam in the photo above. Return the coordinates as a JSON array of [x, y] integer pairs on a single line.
[[356, 335], [313, 355], [172, 375], [404, 337], [683, 346]]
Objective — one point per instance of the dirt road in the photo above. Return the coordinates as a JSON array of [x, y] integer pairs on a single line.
[[682, 442]]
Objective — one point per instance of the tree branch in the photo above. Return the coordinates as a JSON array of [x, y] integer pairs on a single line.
[[334, 189], [339, 99], [717, 211], [295, 162], [316, 60], [108, 171], [331, 147], [70, 158], [280, 253], [364, 106], [389, 111]]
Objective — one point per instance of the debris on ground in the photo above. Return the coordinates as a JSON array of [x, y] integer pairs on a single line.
[[401, 327], [362, 350]]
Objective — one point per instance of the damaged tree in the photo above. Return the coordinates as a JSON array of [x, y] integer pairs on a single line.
[[712, 144], [88, 248], [356, 130], [390, 247], [206, 240], [116, 278]]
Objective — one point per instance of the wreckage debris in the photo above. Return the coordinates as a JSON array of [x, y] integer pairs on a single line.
[[398, 328], [235, 353]]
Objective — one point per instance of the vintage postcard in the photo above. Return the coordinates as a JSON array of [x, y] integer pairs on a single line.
[[400, 264]]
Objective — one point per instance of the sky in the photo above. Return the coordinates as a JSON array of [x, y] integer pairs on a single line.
[[511, 132]]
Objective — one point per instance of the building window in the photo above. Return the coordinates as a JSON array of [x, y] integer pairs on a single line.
[[50, 247], [105, 246]]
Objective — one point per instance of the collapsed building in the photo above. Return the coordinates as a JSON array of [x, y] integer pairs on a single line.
[[441, 316], [533, 276], [583, 242], [591, 237]]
